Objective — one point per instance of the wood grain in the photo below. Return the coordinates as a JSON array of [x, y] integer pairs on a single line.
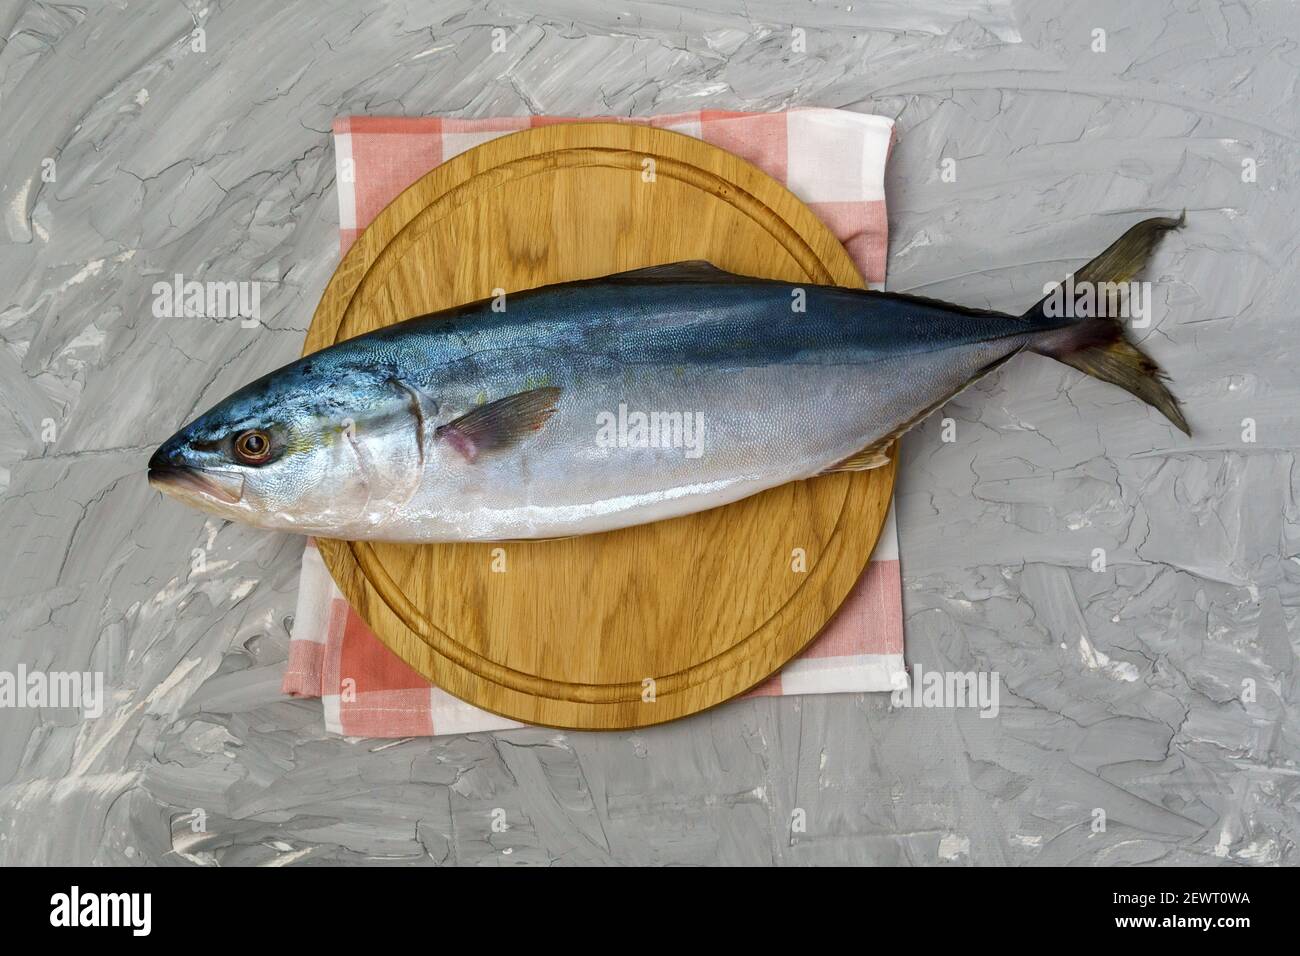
[[632, 627]]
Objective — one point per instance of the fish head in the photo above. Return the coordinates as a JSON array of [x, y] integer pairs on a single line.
[[317, 447]]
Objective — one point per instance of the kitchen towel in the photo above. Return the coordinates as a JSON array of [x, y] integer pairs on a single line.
[[834, 161]]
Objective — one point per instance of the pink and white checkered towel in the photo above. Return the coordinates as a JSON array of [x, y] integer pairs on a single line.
[[831, 159]]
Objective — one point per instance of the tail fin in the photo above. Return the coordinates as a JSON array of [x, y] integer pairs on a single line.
[[1097, 345]]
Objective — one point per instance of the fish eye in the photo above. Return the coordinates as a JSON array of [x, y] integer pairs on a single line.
[[253, 447]]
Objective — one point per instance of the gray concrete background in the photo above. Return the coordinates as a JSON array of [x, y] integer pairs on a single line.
[[1122, 689]]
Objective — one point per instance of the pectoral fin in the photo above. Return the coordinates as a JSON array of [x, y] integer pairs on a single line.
[[499, 424]]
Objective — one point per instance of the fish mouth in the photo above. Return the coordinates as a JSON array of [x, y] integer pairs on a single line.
[[182, 482]]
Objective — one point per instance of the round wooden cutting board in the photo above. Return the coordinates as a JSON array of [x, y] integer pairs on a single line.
[[632, 627]]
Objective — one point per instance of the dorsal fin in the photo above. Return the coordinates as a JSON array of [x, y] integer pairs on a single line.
[[690, 270]]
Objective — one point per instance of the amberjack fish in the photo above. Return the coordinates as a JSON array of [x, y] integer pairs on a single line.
[[604, 403]]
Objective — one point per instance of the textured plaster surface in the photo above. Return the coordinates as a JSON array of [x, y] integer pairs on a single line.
[[1121, 689]]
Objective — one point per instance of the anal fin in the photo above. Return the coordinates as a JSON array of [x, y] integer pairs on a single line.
[[873, 456], [876, 454]]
